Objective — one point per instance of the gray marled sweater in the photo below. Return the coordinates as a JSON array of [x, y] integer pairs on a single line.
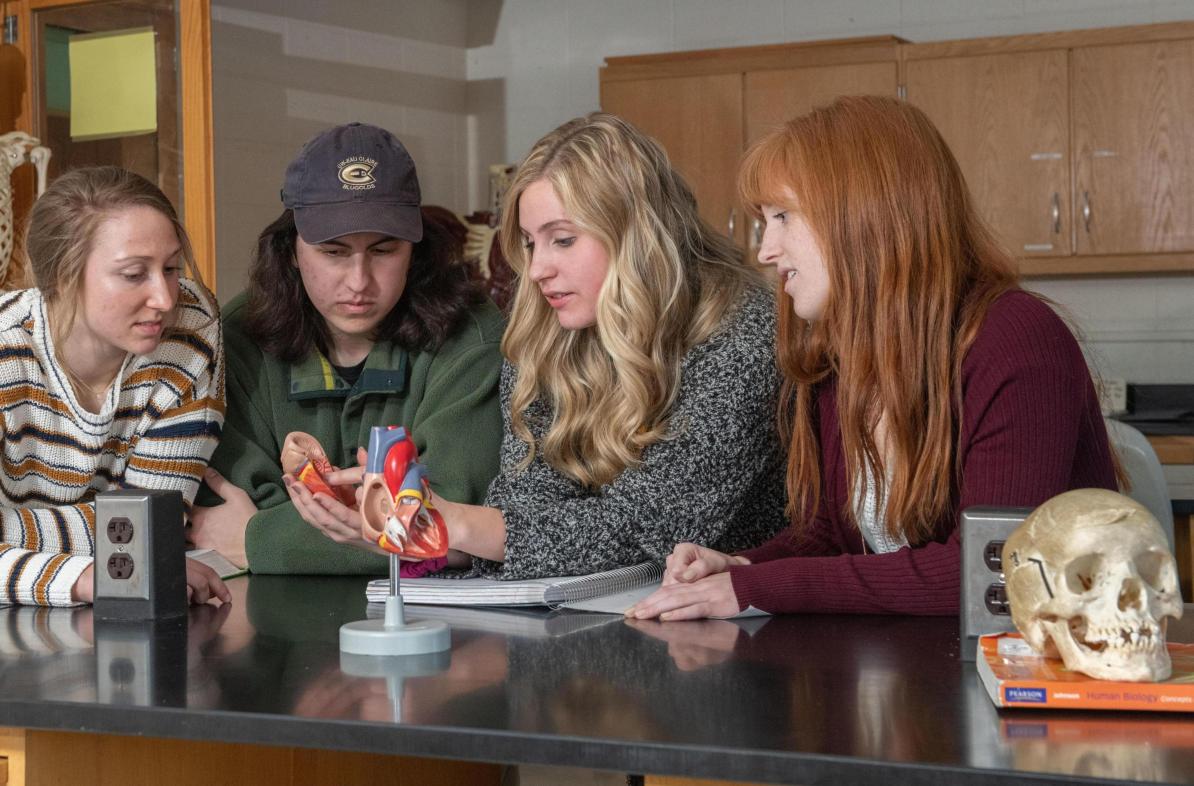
[[716, 480]]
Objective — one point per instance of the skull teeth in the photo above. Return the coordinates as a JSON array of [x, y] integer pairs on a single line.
[[1138, 638]]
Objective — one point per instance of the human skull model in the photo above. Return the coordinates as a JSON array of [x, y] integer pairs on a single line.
[[1090, 578]]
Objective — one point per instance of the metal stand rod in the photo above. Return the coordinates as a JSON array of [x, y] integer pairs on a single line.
[[395, 615]]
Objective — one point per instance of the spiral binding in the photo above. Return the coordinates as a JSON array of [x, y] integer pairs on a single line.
[[609, 582]]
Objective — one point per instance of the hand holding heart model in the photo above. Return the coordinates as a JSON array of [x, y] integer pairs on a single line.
[[396, 509], [303, 457]]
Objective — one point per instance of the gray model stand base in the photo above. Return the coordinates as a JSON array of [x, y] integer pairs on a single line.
[[393, 635]]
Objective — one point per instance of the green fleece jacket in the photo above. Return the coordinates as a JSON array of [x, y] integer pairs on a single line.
[[448, 399]]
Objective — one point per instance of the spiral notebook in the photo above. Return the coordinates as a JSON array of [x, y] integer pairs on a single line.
[[622, 586], [521, 621]]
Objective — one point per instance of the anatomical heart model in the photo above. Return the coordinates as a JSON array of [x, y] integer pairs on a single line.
[[303, 457], [396, 509]]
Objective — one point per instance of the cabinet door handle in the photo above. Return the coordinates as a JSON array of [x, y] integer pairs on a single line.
[[1086, 211], [756, 234], [1055, 212], [733, 222]]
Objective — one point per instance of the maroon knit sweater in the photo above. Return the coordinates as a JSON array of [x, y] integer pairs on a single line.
[[1030, 429]]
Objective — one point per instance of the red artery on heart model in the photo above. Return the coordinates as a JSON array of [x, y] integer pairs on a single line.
[[396, 508]]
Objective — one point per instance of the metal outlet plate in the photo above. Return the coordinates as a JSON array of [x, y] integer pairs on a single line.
[[123, 568], [984, 598], [140, 570]]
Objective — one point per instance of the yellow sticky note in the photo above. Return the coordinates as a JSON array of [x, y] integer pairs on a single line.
[[113, 84]]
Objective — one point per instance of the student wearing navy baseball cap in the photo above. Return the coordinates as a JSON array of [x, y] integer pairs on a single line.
[[358, 313]]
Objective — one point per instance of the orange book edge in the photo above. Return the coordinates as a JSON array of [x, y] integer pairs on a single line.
[[1036, 682]]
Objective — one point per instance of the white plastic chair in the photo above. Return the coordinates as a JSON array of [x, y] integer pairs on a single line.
[[1144, 469]]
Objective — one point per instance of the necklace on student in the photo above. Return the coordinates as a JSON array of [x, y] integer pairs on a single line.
[[92, 397]]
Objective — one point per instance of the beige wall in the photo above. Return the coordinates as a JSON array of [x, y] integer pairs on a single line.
[[468, 83], [282, 70], [542, 57]]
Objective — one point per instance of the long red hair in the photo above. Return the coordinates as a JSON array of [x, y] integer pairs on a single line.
[[912, 271]]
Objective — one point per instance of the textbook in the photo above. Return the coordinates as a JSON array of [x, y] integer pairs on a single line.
[[1015, 676], [556, 593]]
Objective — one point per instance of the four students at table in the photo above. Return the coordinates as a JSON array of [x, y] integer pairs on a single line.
[[640, 389]]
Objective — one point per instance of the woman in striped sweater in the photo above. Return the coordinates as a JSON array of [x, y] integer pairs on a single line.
[[111, 376]]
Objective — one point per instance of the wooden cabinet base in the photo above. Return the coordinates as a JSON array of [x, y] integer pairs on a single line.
[[662, 780], [54, 758], [1183, 554], [12, 753]]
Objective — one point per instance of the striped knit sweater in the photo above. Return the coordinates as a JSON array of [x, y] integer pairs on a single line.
[[157, 429]]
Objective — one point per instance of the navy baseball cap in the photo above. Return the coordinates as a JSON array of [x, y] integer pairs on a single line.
[[353, 178]]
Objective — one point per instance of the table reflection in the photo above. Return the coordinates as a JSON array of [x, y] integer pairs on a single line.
[[1110, 745], [871, 689], [65, 654], [851, 685]]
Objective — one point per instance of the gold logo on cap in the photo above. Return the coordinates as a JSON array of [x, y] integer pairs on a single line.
[[356, 173]]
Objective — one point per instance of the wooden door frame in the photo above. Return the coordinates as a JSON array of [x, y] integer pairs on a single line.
[[198, 166]]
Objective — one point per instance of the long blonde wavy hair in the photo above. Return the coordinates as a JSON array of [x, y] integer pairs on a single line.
[[671, 280]]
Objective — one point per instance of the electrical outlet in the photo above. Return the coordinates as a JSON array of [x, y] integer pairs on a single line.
[[120, 530], [984, 607], [120, 566], [140, 568], [1113, 396], [995, 599]]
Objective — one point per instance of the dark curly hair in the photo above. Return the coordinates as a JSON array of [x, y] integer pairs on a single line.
[[282, 320]]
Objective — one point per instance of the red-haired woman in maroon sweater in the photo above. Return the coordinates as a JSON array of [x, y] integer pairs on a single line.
[[919, 378]]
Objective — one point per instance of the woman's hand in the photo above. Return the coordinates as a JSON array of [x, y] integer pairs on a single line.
[[328, 515], [695, 645], [473, 529], [84, 589], [203, 584], [689, 562], [222, 527], [712, 596]]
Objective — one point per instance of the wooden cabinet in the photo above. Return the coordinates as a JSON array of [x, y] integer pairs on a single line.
[[12, 757], [698, 121], [706, 107], [1076, 146], [1133, 119], [774, 97], [1005, 117]]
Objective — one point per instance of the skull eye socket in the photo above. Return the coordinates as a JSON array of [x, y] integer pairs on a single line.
[[1153, 567], [1080, 574]]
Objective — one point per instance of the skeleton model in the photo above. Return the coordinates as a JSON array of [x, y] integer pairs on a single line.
[[16, 149], [1090, 578]]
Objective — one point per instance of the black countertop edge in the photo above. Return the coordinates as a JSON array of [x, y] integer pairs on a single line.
[[505, 747]]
